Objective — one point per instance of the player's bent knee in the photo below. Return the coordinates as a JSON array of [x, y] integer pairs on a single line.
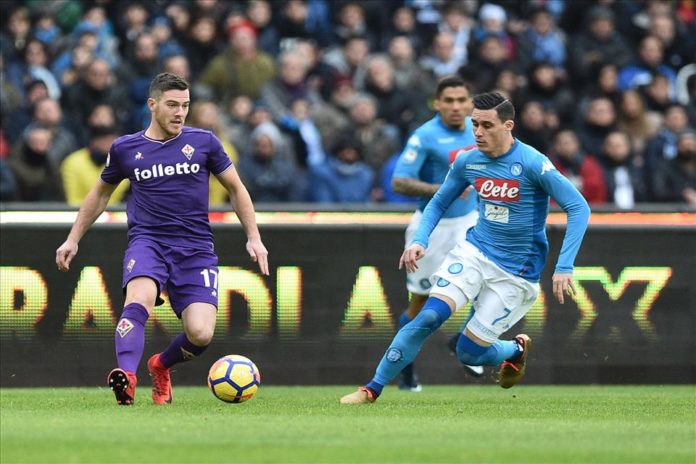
[[471, 353], [200, 336]]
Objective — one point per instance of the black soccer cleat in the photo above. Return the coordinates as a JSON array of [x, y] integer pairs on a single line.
[[123, 384]]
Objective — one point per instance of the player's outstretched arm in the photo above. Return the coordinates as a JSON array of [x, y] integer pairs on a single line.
[[244, 208], [94, 204]]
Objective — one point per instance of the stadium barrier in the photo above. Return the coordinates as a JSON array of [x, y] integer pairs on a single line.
[[328, 310]]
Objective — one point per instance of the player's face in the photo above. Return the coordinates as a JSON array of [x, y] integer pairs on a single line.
[[493, 136], [170, 110], [454, 104]]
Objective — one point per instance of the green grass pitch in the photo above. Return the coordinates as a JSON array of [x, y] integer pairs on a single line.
[[472, 424]]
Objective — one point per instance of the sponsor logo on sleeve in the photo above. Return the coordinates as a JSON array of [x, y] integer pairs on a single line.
[[410, 156], [414, 141], [547, 166], [498, 189]]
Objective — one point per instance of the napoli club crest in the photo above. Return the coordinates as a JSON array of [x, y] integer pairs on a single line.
[[516, 169]]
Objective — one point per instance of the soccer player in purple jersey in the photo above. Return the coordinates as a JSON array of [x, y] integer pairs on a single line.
[[170, 242], [499, 263]]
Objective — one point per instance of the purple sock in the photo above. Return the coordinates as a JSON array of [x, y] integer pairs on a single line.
[[180, 350], [130, 336]]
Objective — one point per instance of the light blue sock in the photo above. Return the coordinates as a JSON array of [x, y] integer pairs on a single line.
[[473, 354], [408, 342], [406, 372]]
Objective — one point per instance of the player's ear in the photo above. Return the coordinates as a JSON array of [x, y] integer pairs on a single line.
[[436, 104], [151, 102], [509, 124]]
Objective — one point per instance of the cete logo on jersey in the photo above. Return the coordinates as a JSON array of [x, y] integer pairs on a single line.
[[498, 189], [459, 151]]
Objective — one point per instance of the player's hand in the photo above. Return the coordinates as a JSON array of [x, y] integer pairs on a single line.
[[410, 256], [65, 254], [258, 254], [563, 284]]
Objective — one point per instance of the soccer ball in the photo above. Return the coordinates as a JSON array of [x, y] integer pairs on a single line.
[[234, 378]]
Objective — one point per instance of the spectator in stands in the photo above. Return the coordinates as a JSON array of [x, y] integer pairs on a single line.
[[289, 85], [133, 22], [403, 23], [167, 44], [37, 177], [302, 20], [546, 87], [675, 180], [378, 138], [408, 74], [237, 122], [267, 173], [98, 86], [486, 62], [346, 59], [260, 14], [662, 148], [8, 183], [143, 66], [678, 44], [623, 171], [649, 63], [658, 94], [442, 59], [634, 120], [394, 104], [457, 23], [18, 28], [582, 169], [18, 120], [241, 69], [48, 113], [605, 84], [180, 18], [34, 66], [350, 22], [599, 119], [542, 42], [492, 23], [597, 46], [80, 170], [343, 177], [177, 64], [201, 44], [531, 126]]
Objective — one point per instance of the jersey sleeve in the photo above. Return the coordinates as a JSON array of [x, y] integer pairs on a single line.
[[454, 185], [572, 202], [112, 172], [218, 160], [412, 158]]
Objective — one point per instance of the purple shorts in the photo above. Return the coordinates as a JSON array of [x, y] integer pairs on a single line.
[[189, 275]]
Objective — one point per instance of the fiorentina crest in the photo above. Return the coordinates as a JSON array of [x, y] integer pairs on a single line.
[[124, 326], [188, 151]]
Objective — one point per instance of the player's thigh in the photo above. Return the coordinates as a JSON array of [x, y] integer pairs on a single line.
[[441, 241], [193, 278], [462, 268], [144, 273], [199, 322], [499, 306]]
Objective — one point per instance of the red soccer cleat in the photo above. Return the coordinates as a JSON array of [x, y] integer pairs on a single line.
[[161, 381], [123, 384]]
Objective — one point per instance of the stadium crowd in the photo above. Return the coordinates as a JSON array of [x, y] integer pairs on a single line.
[[314, 99]]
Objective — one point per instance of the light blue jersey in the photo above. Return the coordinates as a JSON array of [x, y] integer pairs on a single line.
[[428, 155], [514, 191]]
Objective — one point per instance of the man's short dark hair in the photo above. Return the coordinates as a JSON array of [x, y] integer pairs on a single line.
[[449, 81], [495, 101], [166, 81]]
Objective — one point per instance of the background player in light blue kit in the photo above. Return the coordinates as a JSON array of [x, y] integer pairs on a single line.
[[420, 171], [499, 264], [170, 243]]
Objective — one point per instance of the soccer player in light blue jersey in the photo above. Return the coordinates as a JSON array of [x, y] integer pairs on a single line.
[[170, 243], [499, 264], [420, 170]]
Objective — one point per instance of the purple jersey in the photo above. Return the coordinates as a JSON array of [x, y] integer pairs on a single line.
[[169, 184]]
